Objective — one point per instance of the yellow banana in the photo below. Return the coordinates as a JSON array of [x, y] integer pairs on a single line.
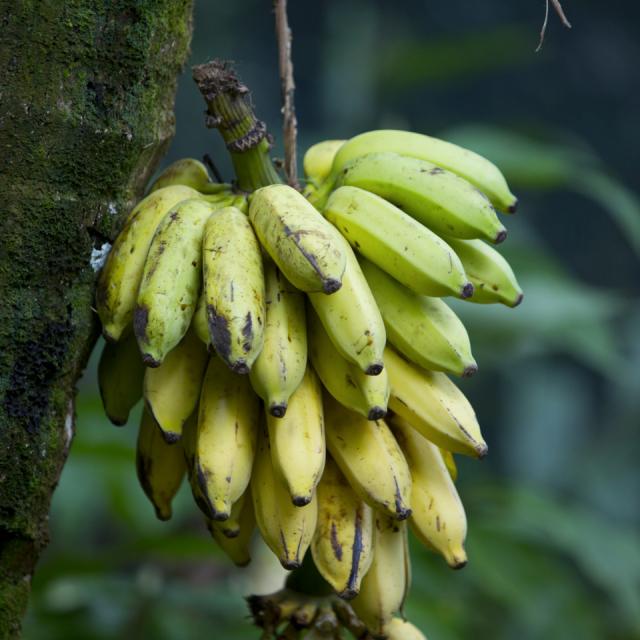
[[171, 281], [434, 405], [398, 244], [342, 545], [425, 330], [171, 391], [189, 172], [385, 585], [347, 383], [297, 440], [285, 528], [120, 278], [399, 629], [474, 168], [226, 437], [370, 458], [318, 160], [234, 288], [351, 317], [120, 375], [298, 239], [279, 368], [492, 276], [442, 201], [450, 463], [438, 518], [160, 466]]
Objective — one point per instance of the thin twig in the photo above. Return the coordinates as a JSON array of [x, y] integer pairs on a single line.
[[290, 124], [563, 18], [208, 160]]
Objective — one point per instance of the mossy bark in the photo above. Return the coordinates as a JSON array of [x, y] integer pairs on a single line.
[[86, 111]]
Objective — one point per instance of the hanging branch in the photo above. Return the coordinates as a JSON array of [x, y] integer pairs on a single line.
[[563, 18], [290, 124]]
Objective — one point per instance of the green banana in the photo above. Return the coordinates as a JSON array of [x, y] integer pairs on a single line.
[[234, 288], [398, 244], [425, 330], [347, 383], [318, 160], [351, 317], [442, 201], [298, 239], [399, 629], [492, 277], [199, 321], [280, 367], [120, 375], [189, 172], [171, 281]]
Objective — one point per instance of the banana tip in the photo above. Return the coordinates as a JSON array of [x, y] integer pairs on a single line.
[[513, 207], [376, 413], [116, 421], [374, 369], [290, 565], [501, 236], [331, 285], [170, 437], [220, 516], [163, 513], [150, 361], [518, 300], [349, 593], [458, 564], [231, 533], [301, 501], [278, 410], [240, 367], [466, 291], [481, 450], [470, 370], [403, 513]]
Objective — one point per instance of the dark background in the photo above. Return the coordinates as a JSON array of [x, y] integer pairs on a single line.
[[554, 511]]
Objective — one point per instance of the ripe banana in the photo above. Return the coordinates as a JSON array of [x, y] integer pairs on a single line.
[[342, 545], [434, 406], [348, 384], [351, 317], [370, 458], [120, 278], [298, 239], [160, 466], [438, 518], [385, 585], [238, 547], [285, 528], [226, 437], [171, 391], [474, 168], [398, 244], [189, 172], [279, 368], [425, 330], [492, 276], [450, 463], [171, 281], [318, 160], [120, 374], [233, 288], [399, 629], [442, 201], [297, 440]]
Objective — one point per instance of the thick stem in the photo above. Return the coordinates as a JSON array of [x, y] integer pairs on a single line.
[[229, 110]]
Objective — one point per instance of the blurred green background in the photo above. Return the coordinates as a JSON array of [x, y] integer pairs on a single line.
[[554, 511]]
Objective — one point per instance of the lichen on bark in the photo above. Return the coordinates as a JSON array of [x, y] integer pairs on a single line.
[[86, 111]]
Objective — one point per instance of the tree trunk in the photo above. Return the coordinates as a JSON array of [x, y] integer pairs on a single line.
[[86, 112]]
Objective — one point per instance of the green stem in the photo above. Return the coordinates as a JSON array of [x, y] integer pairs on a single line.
[[229, 110]]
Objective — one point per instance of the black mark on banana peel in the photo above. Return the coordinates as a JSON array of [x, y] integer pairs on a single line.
[[247, 333], [376, 413], [301, 501], [278, 410], [402, 512], [501, 236], [466, 291], [335, 543], [201, 477], [219, 332], [374, 369], [356, 552]]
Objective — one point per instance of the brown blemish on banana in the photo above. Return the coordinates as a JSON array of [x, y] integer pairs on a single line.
[[219, 332], [335, 543], [402, 512]]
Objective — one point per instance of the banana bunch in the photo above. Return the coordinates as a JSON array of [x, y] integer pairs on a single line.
[[294, 352]]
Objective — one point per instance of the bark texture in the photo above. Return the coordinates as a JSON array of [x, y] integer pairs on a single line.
[[86, 111]]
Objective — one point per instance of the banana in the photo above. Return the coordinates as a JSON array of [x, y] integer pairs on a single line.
[[398, 244], [280, 367], [442, 201], [399, 629], [160, 466], [199, 321], [234, 288], [226, 438], [434, 406], [297, 441], [171, 281], [385, 585], [342, 545], [171, 391], [492, 277], [474, 168], [348, 384], [318, 160], [189, 172], [120, 278], [450, 463], [237, 547], [285, 528], [425, 330], [351, 317], [438, 518], [298, 239], [120, 375], [370, 458]]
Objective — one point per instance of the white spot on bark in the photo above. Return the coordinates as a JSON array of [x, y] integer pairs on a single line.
[[112, 209], [99, 256], [68, 426]]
